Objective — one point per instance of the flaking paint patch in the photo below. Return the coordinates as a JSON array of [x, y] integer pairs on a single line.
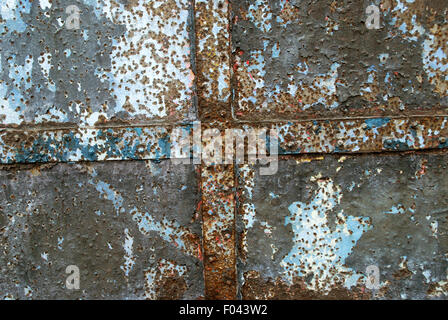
[[155, 274], [213, 36], [153, 57], [134, 47], [404, 19], [317, 60], [318, 251], [11, 11], [359, 211], [107, 192], [439, 289], [129, 259], [86, 144], [435, 58], [21, 77], [260, 14], [170, 231], [247, 178], [45, 4]]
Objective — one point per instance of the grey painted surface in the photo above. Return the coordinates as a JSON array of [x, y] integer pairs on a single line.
[[126, 60], [134, 228], [131, 228], [317, 59], [318, 224]]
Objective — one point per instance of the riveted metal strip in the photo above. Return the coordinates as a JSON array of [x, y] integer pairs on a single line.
[[213, 59], [364, 135], [218, 198], [156, 143], [93, 144], [218, 217]]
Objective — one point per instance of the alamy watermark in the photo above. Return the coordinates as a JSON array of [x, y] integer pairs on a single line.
[[372, 22], [212, 147], [373, 277], [373, 17], [73, 19], [73, 280]]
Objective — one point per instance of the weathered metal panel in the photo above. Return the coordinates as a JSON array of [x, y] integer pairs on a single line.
[[132, 229], [296, 60], [119, 86], [311, 231], [125, 62]]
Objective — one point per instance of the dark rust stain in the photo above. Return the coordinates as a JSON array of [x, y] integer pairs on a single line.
[[256, 288]]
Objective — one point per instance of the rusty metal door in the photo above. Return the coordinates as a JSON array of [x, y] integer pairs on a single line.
[[99, 199]]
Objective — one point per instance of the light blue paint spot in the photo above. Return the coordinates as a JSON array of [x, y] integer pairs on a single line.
[[169, 231], [376, 123], [276, 51], [260, 6], [318, 249], [396, 210], [12, 11], [273, 195]]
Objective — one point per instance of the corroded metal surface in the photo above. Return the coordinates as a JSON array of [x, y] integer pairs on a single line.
[[312, 60], [83, 144], [218, 224], [157, 143], [311, 231], [217, 180], [369, 135], [135, 71], [131, 228], [213, 62], [213, 38], [127, 62]]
